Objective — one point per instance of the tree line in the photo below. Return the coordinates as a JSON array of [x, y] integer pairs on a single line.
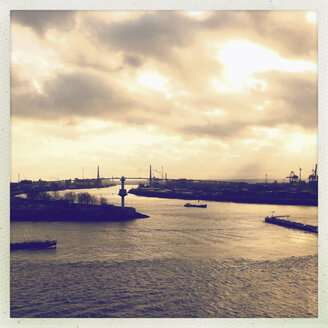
[[69, 197]]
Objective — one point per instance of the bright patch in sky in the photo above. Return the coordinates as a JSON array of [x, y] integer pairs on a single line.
[[295, 143], [198, 15], [152, 80], [242, 58], [37, 86], [215, 112], [312, 17], [220, 86]]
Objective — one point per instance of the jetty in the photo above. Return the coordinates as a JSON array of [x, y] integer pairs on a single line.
[[290, 224]]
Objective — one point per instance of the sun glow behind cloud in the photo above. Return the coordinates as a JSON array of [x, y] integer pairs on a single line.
[[312, 17], [198, 15], [241, 59], [152, 79], [181, 80]]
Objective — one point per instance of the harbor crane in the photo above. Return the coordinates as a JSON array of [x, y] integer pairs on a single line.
[[292, 177], [313, 177]]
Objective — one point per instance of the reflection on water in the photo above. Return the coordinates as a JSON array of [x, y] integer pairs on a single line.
[[176, 243]]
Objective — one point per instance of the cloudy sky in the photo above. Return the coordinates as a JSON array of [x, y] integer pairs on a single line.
[[219, 94]]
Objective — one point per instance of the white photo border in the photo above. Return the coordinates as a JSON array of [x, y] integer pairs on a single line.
[[320, 6]]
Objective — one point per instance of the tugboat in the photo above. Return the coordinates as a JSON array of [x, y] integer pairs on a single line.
[[195, 205], [33, 245]]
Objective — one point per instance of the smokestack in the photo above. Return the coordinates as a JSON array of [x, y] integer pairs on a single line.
[[98, 173], [149, 174]]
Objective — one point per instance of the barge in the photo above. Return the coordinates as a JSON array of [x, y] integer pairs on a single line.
[[33, 245], [195, 205], [290, 224]]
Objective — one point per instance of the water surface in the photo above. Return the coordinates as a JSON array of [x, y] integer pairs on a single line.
[[223, 261]]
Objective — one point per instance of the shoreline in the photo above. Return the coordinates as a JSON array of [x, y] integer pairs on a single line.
[[46, 211], [35, 189], [247, 199]]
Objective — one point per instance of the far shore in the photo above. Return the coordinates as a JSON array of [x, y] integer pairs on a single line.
[[34, 188], [233, 198]]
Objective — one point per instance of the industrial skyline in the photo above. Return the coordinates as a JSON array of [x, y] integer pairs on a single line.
[[292, 178], [206, 95]]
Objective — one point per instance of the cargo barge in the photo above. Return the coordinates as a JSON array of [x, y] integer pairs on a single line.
[[33, 245], [290, 224], [195, 205]]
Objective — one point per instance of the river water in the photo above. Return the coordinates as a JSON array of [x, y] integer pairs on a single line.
[[222, 261]]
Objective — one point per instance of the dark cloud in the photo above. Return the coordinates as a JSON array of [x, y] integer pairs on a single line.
[[81, 59], [153, 34], [78, 94], [84, 95], [41, 20], [134, 61], [221, 19], [286, 32], [158, 33], [294, 99]]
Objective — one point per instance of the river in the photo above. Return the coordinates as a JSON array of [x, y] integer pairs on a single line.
[[222, 261]]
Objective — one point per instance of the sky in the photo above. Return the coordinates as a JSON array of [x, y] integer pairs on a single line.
[[205, 95]]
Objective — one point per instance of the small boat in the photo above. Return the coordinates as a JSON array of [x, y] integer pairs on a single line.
[[33, 245], [195, 205]]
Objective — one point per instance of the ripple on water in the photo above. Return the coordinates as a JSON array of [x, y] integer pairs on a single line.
[[166, 288]]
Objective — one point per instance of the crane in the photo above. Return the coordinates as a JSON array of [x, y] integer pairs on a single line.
[[313, 177], [292, 177]]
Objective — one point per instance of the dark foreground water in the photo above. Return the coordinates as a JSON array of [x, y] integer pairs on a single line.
[[223, 261]]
